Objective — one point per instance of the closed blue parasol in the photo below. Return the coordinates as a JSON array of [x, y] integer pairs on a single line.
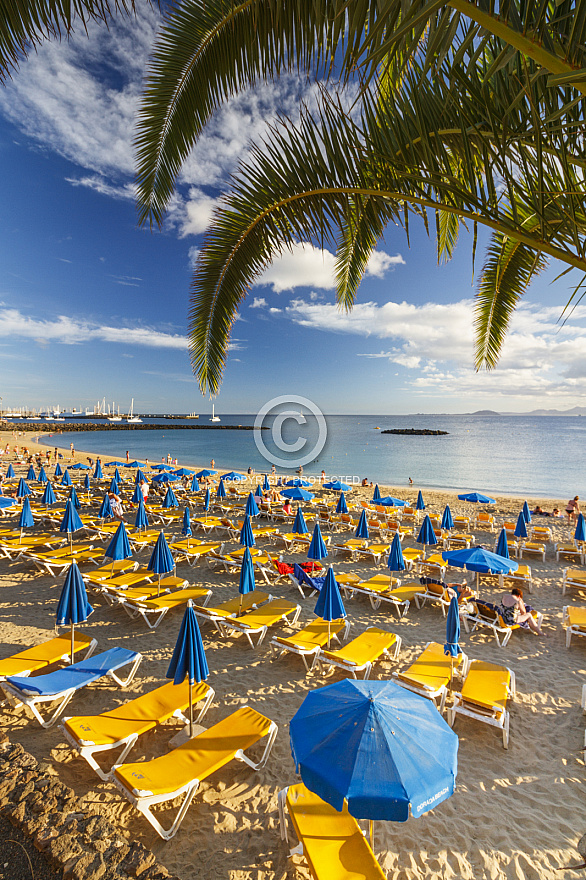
[[170, 499], [300, 526], [31, 473], [374, 744], [48, 495], [341, 506], [74, 499], [58, 471], [137, 495], [258, 493], [580, 533], [186, 524], [71, 521], [42, 478], [521, 527], [139, 475], [526, 512], [476, 498], [10, 472], [265, 483], [447, 519], [297, 494], [142, 520], [221, 490], [161, 561], [25, 520], [66, 478], [376, 496], [329, 605], [98, 473], [117, 476], [502, 546], [194, 485], [206, 500], [420, 502], [105, 511], [362, 527], [246, 535], [426, 533], [395, 562], [317, 548], [451, 647], [114, 486], [119, 546], [22, 489], [189, 659], [73, 606], [246, 583], [86, 482], [251, 506], [480, 560], [337, 486]]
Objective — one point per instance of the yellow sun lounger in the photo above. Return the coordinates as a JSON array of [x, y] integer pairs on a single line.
[[157, 607], [192, 551], [435, 593], [573, 577], [216, 613], [431, 673], [532, 548], [382, 588], [47, 653], [122, 726], [574, 620], [332, 843], [307, 642], [484, 696], [180, 771], [257, 621], [569, 551], [411, 555], [359, 654], [106, 572], [484, 614]]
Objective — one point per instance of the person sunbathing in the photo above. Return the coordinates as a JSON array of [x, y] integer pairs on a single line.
[[513, 610]]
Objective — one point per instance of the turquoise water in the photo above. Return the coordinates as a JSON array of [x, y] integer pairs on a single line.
[[534, 456]]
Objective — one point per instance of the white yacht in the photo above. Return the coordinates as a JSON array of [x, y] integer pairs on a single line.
[[131, 417], [214, 417]]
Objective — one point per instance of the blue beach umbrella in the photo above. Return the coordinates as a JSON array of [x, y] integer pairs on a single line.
[[137, 495], [186, 524], [447, 519], [86, 482], [79, 467], [526, 513], [31, 473], [297, 494], [502, 546], [117, 476], [221, 490], [376, 496], [66, 478], [73, 498], [329, 605], [390, 501], [451, 646], [298, 482], [258, 493], [337, 486], [58, 471], [42, 478], [98, 473], [118, 464], [25, 520], [476, 498], [246, 535], [246, 583], [479, 560], [142, 520], [10, 472], [317, 548], [251, 506], [265, 483], [395, 562], [194, 485], [132, 464], [114, 486], [207, 499], [48, 495], [105, 511], [580, 533], [189, 658], [165, 478], [521, 527], [161, 560], [426, 533], [300, 526], [119, 546], [341, 506], [73, 606], [183, 472], [139, 475], [362, 528], [22, 489], [382, 749], [170, 499], [71, 521], [232, 475], [420, 502], [201, 474]]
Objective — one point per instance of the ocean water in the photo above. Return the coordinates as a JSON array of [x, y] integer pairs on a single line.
[[518, 455]]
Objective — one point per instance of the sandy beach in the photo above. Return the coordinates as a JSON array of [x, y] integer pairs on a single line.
[[516, 813]]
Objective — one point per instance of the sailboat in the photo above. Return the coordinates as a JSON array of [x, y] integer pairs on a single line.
[[131, 417], [214, 417], [114, 418]]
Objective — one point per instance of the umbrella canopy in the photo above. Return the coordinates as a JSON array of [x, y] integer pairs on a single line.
[[119, 546], [194, 485], [246, 536], [7, 502], [58, 471], [201, 474], [66, 478], [265, 483], [137, 495], [521, 527], [73, 606], [98, 473], [118, 464], [221, 490], [189, 658], [329, 605], [420, 502], [376, 745], [476, 498], [10, 472], [251, 506], [25, 520], [502, 546], [317, 548], [133, 464], [31, 473], [233, 476], [297, 494], [73, 498], [258, 493], [114, 486], [300, 526], [447, 518], [390, 501], [186, 524], [139, 476], [71, 521], [42, 478], [86, 482], [376, 496], [426, 533], [298, 482], [246, 583], [79, 467], [170, 499], [395, 562], [117, 476], [206, 500], [142, 520], [526, 512], [362, 528], [337, 486], [161, 560], [165, 478], [48, 494], [22, 489], [341, 506], [451, 647], [480, 560], [105, 511], [580, 533], [183, 472]]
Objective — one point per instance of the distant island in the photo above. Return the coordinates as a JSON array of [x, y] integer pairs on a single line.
[[414, 431]]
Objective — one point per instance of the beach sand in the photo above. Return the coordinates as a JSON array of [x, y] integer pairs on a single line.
[[516, 814]]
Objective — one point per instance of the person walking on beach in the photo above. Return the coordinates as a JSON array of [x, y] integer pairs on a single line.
[[127, 456], [213, 463], [116, 503], [573, 508]]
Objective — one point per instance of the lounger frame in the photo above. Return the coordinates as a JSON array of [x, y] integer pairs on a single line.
[[495, 716], [571, 629]]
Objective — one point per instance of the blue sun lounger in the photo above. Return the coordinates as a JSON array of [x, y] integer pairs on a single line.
[[61, 685]]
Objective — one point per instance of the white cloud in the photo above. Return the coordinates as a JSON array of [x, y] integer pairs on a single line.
[[73, 331], [192, 255], [194, 214], [99, 184], [275, 311], [259, 302], [379, 263]]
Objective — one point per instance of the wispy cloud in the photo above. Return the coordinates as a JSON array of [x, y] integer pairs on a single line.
[[259, 302]]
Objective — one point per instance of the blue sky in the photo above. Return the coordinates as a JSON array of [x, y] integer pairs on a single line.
[[92, 306]]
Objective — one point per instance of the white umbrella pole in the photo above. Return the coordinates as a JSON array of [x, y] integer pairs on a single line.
[[72, 642], [190, 710], [329, 627], [159, 586]]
